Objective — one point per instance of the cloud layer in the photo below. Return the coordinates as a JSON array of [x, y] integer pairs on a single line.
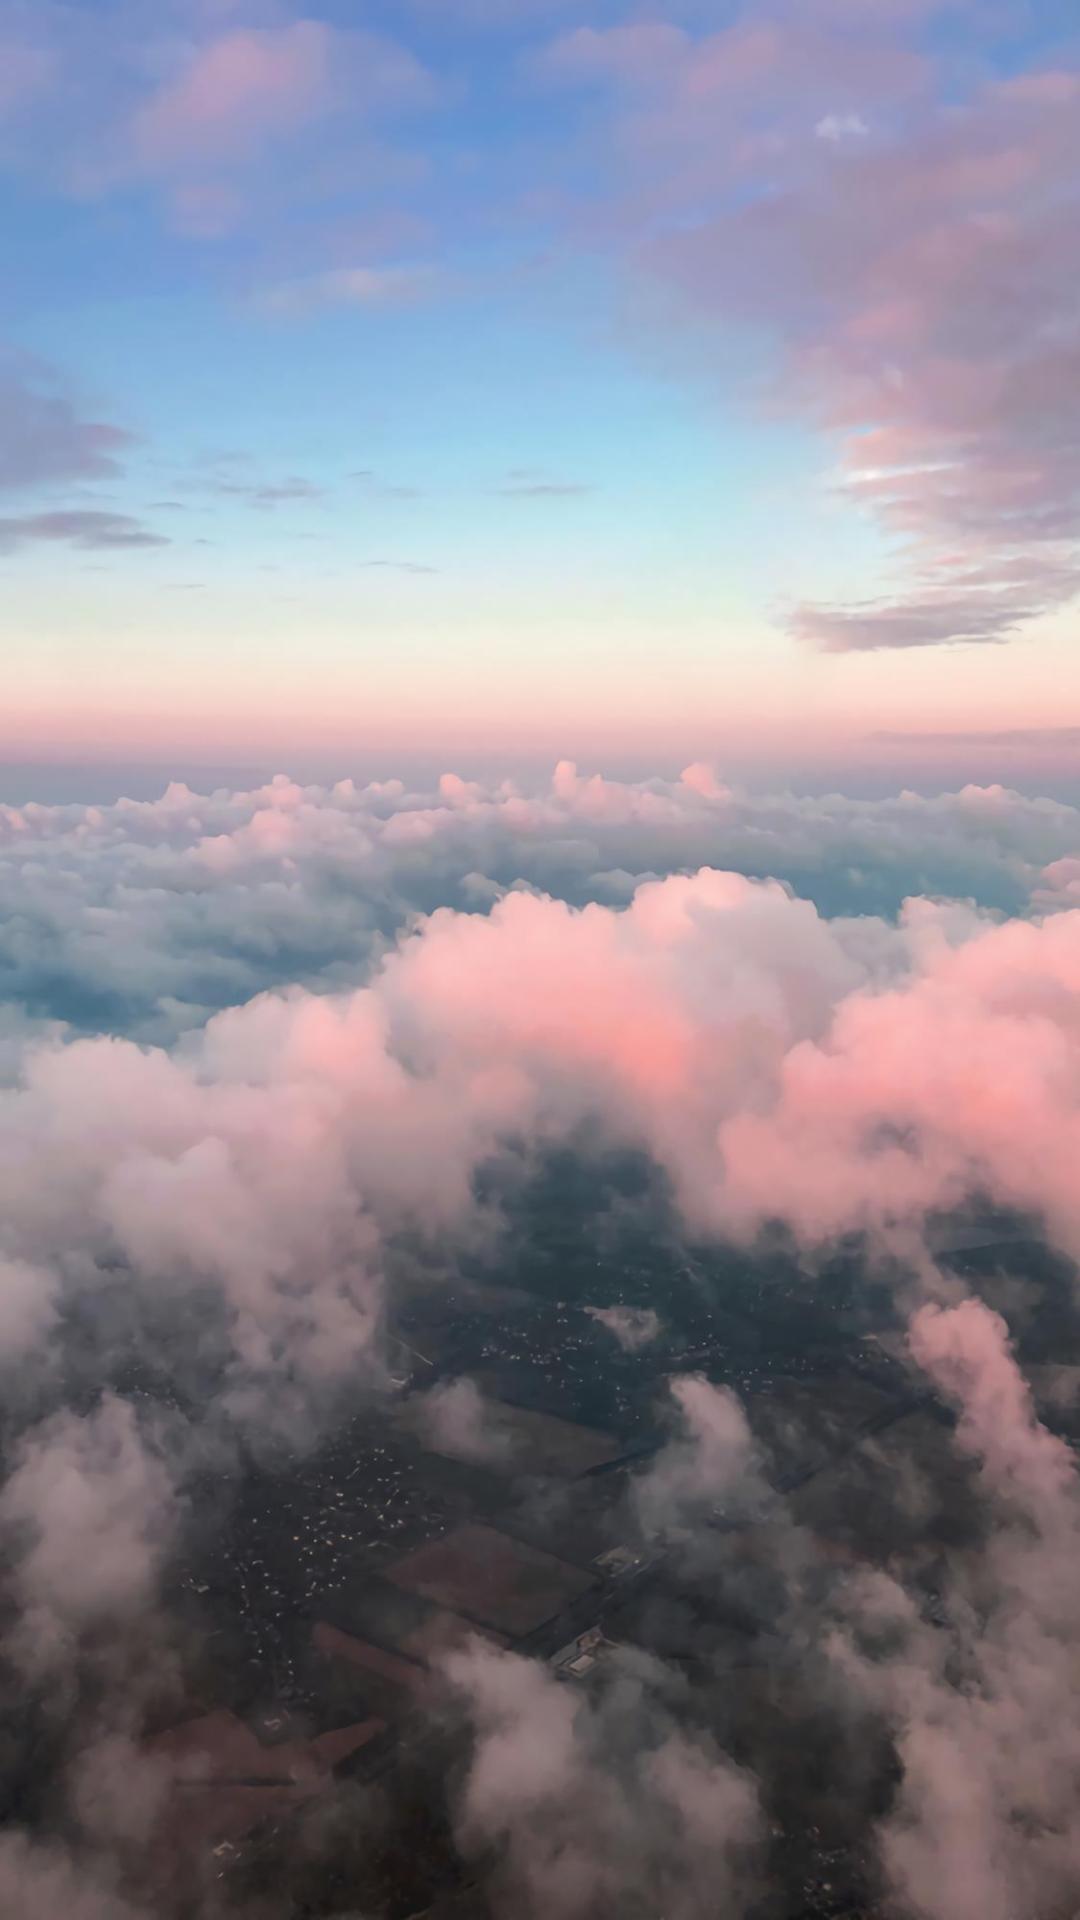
[[853, 1073], [223, 1198], [144, 917]]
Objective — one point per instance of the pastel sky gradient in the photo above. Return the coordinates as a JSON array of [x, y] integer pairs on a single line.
[[508, 378]]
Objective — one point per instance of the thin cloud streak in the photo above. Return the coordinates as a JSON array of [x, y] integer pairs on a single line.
[[91, 528]]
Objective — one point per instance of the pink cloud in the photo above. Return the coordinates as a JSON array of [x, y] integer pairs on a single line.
[[965, 1076], [639, 55], [583, 1820], [836, 1074], [709, 1467], [966, 1351], [916, 281], [984, 1820], [196, 100], [26, 73], [234, 92]]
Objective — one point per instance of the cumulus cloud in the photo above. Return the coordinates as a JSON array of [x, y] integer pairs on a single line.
[[632, 1327], [455, 1420], [144, 917], [960, 1078], [709, 1470], [88, 1510], [965, 1350], [240, 1180], [837, 1074], [594, 1807], [233, 1200], [985, 1820]]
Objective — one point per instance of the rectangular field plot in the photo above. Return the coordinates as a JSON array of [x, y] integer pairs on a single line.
[[488, 1577]]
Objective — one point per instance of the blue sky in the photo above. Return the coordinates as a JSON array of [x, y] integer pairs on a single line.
[[511, 364]]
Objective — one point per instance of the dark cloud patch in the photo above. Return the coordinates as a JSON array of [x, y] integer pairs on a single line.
[[911, 623]]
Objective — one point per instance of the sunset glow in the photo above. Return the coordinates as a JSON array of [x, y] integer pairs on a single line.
[[540, 960]]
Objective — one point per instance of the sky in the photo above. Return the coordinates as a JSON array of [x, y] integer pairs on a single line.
[[474, 382]]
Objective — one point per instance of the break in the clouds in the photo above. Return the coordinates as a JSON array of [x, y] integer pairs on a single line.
[[87, 1511]]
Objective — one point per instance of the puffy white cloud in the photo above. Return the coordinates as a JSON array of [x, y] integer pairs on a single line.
[[708, 1470], [985, 1821], [454, 1419], [598, 1804], [88, 1511], [632, 1327]]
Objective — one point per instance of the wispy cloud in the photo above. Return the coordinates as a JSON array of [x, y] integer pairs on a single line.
[[195, 106], [841, 126], [524, 484], [44, 436], [911, 257], [371, 483], [77, 527], [352, 286], [272, 493]]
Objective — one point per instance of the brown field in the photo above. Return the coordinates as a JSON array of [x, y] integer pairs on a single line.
[[490, 1578]]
